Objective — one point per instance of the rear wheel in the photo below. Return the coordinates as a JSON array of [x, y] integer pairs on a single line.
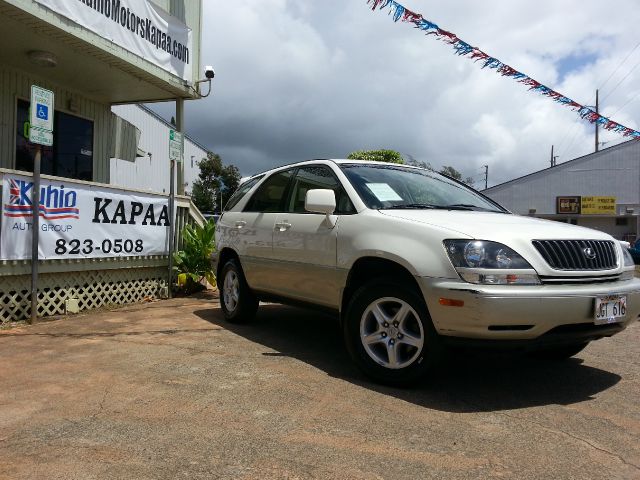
[[389, 333], [563, 352], [238, 302]]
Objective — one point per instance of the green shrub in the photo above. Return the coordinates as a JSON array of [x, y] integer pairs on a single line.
[[377, 156], [193, 262]]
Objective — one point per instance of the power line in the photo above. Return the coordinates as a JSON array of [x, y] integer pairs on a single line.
[[573, 139], [626, 103], [623, 79], [620, 65]]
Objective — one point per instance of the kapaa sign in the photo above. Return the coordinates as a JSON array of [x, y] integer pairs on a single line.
[[81, 221]]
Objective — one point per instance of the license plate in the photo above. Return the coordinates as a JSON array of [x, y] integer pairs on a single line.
[[610, 309]]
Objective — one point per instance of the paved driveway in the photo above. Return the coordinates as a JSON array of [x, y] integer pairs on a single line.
[[168, 390]]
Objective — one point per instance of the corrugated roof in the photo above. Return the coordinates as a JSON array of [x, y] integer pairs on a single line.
[[574, 161]]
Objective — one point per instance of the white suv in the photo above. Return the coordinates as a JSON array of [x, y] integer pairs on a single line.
[[413, 261]]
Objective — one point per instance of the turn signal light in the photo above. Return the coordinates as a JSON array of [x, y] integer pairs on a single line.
[[450, 302]]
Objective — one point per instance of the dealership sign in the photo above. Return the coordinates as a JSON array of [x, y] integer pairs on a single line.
[[81, 221], [138, 26], [576, 205]]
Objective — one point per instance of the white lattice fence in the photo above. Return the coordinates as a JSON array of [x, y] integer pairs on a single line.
[[92, 289]]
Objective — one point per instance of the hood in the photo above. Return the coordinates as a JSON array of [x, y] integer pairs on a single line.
[[497, 226]]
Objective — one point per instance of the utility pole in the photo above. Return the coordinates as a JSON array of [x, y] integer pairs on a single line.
[[486, 176], [553, 158], [597, 125]]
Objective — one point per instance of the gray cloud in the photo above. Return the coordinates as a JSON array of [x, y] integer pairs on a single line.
[[299, 79]]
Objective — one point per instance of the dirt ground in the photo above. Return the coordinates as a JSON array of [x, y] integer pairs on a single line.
[[169, 390]]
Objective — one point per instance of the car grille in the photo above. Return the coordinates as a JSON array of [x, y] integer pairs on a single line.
[[578, 254]]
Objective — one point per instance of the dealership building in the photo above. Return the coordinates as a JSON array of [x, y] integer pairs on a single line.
[[99, 58], [600, 191]]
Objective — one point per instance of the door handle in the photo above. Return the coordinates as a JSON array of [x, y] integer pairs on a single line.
[[282, 226], [240, 223]]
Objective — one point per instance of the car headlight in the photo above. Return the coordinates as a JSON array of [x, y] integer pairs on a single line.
[[491, 263], [628, 259]]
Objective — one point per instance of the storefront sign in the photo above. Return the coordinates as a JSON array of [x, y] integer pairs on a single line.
[[598, 205], [576, 205], [139, 26], [568, 205], [81, 221]]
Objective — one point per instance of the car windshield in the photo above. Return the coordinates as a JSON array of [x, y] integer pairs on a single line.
[[397, 187]]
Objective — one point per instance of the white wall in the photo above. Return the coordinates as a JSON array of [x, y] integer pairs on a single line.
[[612, 172], [152, 172]]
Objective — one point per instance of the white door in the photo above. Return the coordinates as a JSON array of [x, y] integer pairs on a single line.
[[254, 227], [304, 243]]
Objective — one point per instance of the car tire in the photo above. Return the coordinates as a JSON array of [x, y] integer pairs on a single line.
[[559, 353], [238, 302], [389, 333]]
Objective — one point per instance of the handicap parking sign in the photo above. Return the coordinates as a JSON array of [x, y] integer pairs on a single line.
[[42, 111], [41, 116]]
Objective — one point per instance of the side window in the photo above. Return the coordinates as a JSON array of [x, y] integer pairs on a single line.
[[270, 195], [241, 192], [313, 177]]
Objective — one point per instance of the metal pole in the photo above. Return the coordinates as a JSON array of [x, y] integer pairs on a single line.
[[597, 125], [552, 155], [172, 195], [180, 128], [35, 233], [486, 176]]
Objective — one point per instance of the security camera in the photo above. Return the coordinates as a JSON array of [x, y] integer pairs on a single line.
[[209, 72]]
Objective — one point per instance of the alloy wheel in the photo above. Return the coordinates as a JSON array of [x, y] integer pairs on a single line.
[[231, 291], [391, 333]]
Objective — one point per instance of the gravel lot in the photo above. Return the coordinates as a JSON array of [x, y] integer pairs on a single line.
[[169, 390]]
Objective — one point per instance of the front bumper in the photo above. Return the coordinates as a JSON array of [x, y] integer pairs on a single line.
[[532, 313]]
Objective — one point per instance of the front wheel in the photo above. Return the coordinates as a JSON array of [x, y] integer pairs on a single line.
[[238, 302], [389, 333]]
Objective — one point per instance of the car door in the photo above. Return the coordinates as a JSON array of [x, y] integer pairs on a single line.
[[304, 243], [254, 226]]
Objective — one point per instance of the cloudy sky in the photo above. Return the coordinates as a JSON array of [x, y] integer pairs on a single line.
[[300, 79]]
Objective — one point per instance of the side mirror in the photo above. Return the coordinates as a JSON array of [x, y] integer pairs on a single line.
[[320, 201]]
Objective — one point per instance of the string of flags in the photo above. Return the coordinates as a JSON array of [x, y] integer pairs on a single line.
[[400, 13]]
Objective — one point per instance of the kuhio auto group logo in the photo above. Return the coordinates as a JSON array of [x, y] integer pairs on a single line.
[[55, 203]]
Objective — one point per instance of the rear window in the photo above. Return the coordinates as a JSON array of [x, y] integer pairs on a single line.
[[242, 191], [269, 197]]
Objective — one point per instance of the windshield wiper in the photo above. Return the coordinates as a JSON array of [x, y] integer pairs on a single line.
[[468, 206], [458, 206], [410, 205]]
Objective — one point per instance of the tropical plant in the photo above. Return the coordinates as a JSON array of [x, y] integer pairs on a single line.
[[193, 262]]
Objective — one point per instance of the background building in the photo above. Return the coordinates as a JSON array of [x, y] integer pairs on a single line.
[[92, 54], [149, 170], [600, 190], [88, 72]]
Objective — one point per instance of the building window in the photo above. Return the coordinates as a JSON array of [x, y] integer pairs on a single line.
[[622, 222], [72, 153]]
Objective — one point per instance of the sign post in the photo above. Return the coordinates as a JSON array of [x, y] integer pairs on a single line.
[[40, 133], [175, 157]]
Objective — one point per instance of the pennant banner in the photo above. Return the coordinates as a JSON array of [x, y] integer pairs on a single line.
[[462, 48]]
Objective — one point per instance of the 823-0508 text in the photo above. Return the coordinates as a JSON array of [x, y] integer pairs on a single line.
[[88, 246]]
